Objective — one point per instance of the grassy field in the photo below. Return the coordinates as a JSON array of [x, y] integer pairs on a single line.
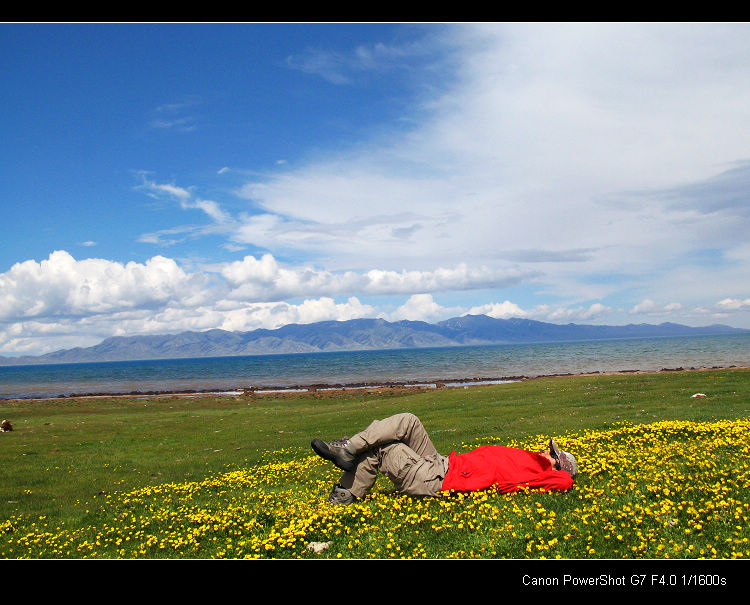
[[662, 474]]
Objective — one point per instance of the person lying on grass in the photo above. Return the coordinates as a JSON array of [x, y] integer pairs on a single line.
[[400, 448]]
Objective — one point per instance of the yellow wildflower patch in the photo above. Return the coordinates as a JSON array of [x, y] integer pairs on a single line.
[[660, 490]]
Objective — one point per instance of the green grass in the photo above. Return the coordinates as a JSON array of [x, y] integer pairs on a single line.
[[239, 471]]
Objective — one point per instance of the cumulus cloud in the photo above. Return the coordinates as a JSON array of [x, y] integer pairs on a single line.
[[275, 315], [422, 307], [266, 279], [645, 306], [649, 307], [63, 300], [508, 310], [46, 334], [61, 285], [733, 304], [503, 310], [564, 315]]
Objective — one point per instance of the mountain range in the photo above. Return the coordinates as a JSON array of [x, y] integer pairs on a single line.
[[355, 335]]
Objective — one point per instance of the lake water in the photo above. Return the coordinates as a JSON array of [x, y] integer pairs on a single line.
[[448, 364]]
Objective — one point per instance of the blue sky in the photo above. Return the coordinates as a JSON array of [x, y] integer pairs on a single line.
[[167, 177]]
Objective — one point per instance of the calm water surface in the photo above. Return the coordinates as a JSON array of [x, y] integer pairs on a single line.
[[374, 367]]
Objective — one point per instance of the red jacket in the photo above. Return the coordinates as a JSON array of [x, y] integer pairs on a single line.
[[507, 468]]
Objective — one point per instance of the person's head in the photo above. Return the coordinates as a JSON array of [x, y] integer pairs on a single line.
[[565, 461]]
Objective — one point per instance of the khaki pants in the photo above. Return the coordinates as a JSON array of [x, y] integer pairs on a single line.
[[400, 448]]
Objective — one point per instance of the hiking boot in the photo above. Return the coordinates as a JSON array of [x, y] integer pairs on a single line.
[[337, 452], [340, 495]]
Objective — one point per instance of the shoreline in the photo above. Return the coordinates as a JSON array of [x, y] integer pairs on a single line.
[[413, 385]]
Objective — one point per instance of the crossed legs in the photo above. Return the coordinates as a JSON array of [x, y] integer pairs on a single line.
[[401, 449]]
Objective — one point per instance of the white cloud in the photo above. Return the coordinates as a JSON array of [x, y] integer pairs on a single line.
[[649, 307], [63, 302], [41, 335], [645, 306], [508, 310], [567, 148], [265, 279], [185, 124], [422, 307], [171, 116], [158, 190], [61, 286], [733, 304], [503, 310], [60, 301], [576, 314], [212, 209], [739, 253], [591, 160], [186, 199], [275, 315], [348, 67]]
